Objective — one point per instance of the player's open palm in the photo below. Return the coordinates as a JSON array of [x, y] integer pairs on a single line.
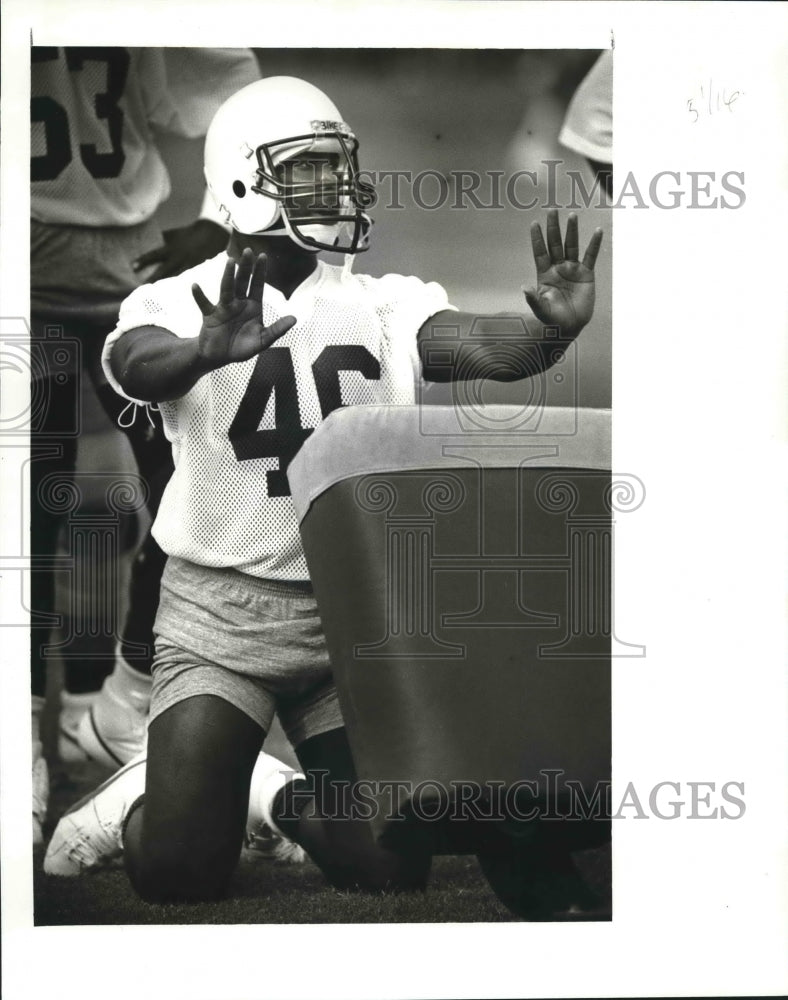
[[564, 296], [233, 330]]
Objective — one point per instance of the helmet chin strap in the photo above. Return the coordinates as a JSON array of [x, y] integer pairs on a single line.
[[325, 231], [329, 235], [283, 232], [347, 264]]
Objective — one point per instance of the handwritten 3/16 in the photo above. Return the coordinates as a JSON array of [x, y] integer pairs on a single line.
[[712, 100]]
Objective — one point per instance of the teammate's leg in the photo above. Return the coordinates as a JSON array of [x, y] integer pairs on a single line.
[[136, 647], [53, 456], [79, 276], [112, 730]]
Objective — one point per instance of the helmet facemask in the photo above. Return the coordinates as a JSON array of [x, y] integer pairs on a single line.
[[315, 180]]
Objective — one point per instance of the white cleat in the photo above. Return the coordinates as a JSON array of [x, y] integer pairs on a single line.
[[265, 842], [89, 834], [262, 834]]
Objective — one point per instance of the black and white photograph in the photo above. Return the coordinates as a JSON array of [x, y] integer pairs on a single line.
[[375, 550], [441, 606]]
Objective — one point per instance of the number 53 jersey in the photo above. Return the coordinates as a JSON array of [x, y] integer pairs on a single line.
[[94, 112], [235, 432]]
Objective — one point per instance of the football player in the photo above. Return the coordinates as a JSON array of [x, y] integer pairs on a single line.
[[246, 354]]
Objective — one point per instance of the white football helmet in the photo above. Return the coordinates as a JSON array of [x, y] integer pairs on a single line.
[[279, 160]]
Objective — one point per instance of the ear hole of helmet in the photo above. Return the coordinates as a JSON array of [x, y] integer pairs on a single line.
[[239, 189]]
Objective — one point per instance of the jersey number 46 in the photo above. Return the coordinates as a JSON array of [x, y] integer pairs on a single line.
[[274, 372]]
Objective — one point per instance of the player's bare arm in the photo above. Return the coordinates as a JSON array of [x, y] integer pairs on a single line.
[[563, 298], [153, 364]]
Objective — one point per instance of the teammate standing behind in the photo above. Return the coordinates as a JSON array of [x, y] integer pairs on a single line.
[[97, 179], [588, 125]]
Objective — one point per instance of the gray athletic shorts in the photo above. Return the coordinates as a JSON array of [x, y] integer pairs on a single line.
[[78, 270], [258, 644]]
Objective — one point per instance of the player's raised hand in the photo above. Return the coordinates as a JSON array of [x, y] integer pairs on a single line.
[[564, 296], [233, 330]]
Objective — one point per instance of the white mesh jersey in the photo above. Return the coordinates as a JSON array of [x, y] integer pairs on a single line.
[[93, 114], [233, 434]]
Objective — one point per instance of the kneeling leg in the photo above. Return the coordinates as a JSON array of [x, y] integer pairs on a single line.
[[182, 841], [313, 812]]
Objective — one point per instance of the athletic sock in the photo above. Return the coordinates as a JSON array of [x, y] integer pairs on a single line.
[[288, 803], [73, 706], [128, 686], [265, 793]]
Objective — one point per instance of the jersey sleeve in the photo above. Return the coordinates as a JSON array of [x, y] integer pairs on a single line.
[[403, 304], [167, 304], [588, 126], [409, 299], [198, 82]]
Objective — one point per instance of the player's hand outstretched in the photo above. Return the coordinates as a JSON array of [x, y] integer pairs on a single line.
[[233, 330], [564, 296]]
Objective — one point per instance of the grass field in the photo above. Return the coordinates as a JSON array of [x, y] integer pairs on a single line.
[[265, 892]]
